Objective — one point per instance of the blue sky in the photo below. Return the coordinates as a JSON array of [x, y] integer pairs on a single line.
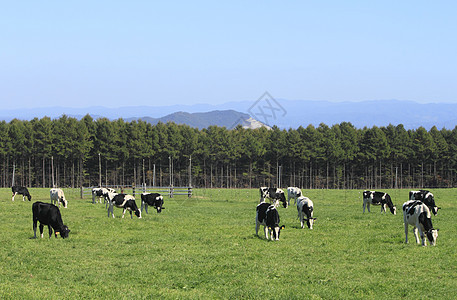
[[118, 53]]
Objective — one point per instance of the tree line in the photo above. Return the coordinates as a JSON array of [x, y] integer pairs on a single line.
[[68, 152]]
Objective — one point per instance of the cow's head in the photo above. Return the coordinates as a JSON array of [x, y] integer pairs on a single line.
[[282, 198], [310, 222], [158, 204], [138, 213], [29, 197], [64, 231], [393, 210], [275, 232], [432, 235], [64, 201]]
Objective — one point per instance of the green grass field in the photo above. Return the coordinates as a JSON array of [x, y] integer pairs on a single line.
[[205, 247]]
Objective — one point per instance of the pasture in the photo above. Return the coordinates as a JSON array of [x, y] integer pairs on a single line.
[[205, 248]]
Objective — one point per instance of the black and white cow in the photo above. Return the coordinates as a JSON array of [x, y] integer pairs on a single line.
[[378, 198], [305, 209], [417, 214], [293, 192], [126, 202], [101, 193], [57, 195], [152, 199], [21, 190], [48, 214], [426, 197], [268, 216], [274, 194]]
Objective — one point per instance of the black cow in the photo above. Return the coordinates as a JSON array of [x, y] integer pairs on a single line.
[[21, 190], [275, 194], [268, 216], [126, 202], [152, 199], [426, 197], [417, 214], [378, 198], [48, 214]]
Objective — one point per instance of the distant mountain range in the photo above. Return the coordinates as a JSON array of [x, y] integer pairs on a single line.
[[282, 113]]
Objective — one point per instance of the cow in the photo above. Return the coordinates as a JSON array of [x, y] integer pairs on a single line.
[[21, 190], [126, 202], [305, 209], [57, 195], [293, 192], [152, 199], [101, 193], [275, 194], [417, 214], [378, 198], [268, 216], [48, 214], [426, 197]]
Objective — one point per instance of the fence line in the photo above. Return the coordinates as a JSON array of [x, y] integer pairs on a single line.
[[171, 191]]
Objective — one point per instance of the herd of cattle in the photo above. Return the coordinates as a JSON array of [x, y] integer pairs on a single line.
[[49, 214], [416, 211]]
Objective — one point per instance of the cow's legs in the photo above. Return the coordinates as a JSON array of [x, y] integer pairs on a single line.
[[146, 208], [257, 225], [50, 230], [12, 198], [123, 213], [406, 232], [364, 205], [23, 197], [34, 228], [41, 230], [416, 235], [265, 229]]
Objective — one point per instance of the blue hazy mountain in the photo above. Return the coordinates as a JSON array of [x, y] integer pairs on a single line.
[[282, 113]]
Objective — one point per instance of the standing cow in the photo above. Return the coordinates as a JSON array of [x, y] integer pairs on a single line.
[[417, 214], [268, 216], [126, 202], [426, 197], [57, 195], [275, 194], [293, 192], [101, 193], [21, 190], [378, 198], [152, 199], [48, 214], [305, 209]]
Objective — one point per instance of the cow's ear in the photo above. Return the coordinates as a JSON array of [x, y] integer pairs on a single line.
[[282, 227], [314, 219], [269, 228]]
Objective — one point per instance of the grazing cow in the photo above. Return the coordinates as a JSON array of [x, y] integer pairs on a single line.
[[275, 194], [21, 190], [293, 192], [48, 214], [417, 214], [126, 202], [305, 208], [101, 193], [426, 197], [378, 198], [57, 195], [268, 216], [152, 199]]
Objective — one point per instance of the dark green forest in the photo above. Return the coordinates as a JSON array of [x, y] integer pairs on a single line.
[[90, 152]]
